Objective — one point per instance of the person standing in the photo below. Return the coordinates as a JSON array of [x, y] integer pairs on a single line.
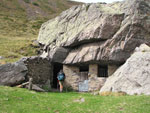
[[61, 78]]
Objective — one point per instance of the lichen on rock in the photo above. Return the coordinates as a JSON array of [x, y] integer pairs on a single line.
[[133, 77], [114, 30]]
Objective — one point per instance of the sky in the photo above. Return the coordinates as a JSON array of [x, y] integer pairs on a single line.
[[94, 1]]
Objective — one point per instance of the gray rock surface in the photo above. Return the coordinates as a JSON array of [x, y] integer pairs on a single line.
[[98, 32], [36, 88], [58, 54], [1, 57], [35, 67], [134, 76], [13, 73], [40, 70]]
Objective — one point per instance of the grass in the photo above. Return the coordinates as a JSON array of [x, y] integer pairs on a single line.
[[16, 100], [27, 1], [25, 18], [18, 27], [12, 48]]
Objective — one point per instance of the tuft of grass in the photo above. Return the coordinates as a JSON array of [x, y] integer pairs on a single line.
[[35, 3], [27, 1], [17, 100], [113, 94]]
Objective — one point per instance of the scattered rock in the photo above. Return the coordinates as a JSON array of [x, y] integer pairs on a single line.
[[36, 88], [96, 93], [35, 44], [1, 57], [133, 77], [142, 48], [81, 100]]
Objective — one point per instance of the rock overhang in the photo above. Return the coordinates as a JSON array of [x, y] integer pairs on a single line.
[[98, 32], [73, 21]]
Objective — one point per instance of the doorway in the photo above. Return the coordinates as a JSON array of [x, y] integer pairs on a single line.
[[56, 69], [83, 83]]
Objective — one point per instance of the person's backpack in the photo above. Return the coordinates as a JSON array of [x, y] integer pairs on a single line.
[[61, 76]]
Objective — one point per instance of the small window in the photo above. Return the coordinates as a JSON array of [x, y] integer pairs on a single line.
[[84, 68], [102, 71]]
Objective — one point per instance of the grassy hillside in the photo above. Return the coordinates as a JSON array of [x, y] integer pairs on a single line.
[[20, 21], [15, 100], [23, 17]]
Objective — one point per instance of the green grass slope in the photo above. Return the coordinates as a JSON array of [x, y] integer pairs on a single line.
[[18, 17], [15, 100], [20, 21]]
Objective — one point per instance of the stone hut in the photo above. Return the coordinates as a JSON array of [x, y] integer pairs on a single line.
[[88, 77], [91, 41]]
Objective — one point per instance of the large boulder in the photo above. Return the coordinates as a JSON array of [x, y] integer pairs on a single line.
[[58, 54], [13, 73], [134, 76], [97, 32], [35, 67]]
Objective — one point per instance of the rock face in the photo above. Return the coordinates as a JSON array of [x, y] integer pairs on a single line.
[[97, 32], [94, 34], [134, 76], [35, 67], [12, 74], [40, 70], [1, 57]]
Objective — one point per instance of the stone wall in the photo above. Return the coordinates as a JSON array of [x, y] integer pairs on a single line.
[[95, 82], [72, 76], [40, 70], [93, 70]]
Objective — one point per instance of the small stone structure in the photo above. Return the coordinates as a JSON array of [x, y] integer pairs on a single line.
[[74, 77], [92, 40]]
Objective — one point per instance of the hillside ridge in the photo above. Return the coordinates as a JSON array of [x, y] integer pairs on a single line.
[[20, 21], [21, 17]]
